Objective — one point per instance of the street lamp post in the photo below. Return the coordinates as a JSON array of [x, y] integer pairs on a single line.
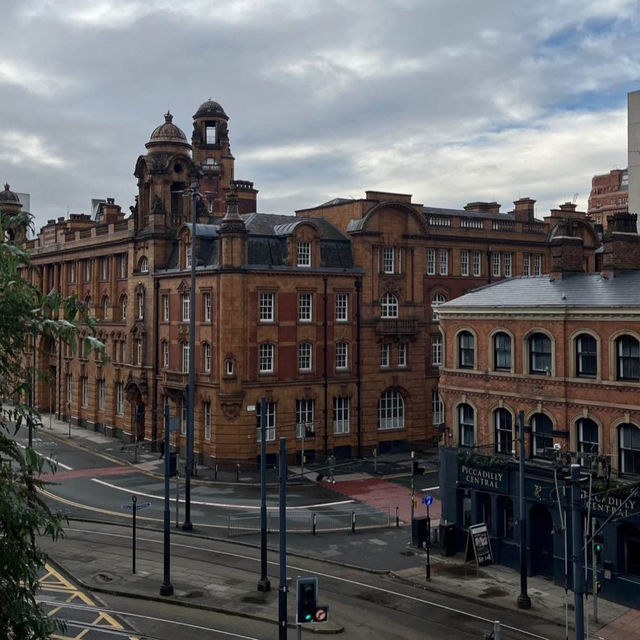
[[524, 601], [167, 588], [187, 525], [263, 583]]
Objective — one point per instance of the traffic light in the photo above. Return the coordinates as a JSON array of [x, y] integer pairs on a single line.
[[598, 547], [306, 597], [309, 610], [416, 469]]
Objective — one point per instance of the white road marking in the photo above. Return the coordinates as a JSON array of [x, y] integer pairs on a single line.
[[203, 503], [429, 489], [139, 615], [324, 575], [49, 458]]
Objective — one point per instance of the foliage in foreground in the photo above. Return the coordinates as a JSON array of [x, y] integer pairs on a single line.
[[26, 317]]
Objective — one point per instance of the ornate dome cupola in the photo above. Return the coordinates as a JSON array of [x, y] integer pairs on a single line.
[[168, 137], [210, 132], [10, 206], [8, 196]]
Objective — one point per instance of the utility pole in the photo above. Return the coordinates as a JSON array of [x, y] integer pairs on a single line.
[[282, 590], [576, 550], [263, 583], [594, 569], [191, 391], [524, 601], [167, 588]]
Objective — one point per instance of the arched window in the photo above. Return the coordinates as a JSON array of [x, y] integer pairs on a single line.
[[143, 265], [466, 425], [503, 425], [388, 306], [629, 448], [539, 353], [587, 436], [542, 431], [123, 306], [586, 356], [105, 307], [502, 351], [627, 358], [391, 410], [436, 301], [466, 350]]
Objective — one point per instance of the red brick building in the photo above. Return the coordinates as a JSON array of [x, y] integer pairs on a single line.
[[609, 195], [332, 314], [564, 349]]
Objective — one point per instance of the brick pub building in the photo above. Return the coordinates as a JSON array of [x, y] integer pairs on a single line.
[[564, 349], [332, 313]]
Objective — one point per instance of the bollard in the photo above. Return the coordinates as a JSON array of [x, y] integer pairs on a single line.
[[238, 473], [314, 524], [397, 516], [215, 472], [353, 522], [496, 630]]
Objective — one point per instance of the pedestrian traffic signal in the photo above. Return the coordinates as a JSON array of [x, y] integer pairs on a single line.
[[307, 589], [598, 586]]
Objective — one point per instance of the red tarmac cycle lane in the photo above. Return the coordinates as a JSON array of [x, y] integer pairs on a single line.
[[87, 473], [385, 495]]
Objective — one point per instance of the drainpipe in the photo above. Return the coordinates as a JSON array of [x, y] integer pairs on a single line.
[[325, 381], [358, 369]]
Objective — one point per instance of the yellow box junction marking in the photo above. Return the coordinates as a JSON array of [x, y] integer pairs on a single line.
[[54, 582]]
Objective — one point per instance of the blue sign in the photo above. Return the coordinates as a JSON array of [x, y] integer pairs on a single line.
[[428, 500], [138, 507]]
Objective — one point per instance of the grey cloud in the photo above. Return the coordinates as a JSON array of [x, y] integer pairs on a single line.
[[349, 80]]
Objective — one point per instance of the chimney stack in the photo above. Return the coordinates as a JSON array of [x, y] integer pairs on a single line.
[[621, 244], [524, 209], [567, 250], [483, 207]]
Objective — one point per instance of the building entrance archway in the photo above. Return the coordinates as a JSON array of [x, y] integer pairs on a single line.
[[540, 527], [134, 396]]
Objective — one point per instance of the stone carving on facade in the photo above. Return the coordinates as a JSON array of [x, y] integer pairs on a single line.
[[392, 284], [231, 404], [157, 206]]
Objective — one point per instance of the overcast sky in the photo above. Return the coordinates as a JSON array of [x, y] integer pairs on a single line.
[[451, 101]]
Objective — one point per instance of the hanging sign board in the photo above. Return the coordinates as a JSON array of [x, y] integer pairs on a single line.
[[478, 545]]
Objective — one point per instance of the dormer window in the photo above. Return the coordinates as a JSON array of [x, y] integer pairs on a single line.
[[210, 133], [304, 254], [187, 256]]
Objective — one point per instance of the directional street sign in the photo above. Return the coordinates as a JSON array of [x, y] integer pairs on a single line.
[[428, 500], [127, 506]]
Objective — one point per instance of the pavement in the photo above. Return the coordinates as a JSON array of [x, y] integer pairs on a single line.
[[224, 589]]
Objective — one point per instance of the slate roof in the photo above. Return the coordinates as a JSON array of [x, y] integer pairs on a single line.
[[579, 290], [267, 242]]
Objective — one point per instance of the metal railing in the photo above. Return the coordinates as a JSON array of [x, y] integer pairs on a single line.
[[304, 521]]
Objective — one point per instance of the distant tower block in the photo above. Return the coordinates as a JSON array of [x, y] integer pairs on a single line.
[[633, 149]]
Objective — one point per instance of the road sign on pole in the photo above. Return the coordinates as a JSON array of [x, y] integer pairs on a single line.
[[428, 500]]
